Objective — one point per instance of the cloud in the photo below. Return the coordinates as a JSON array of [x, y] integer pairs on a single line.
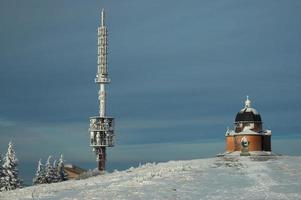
[[6, 123], [180, 71]]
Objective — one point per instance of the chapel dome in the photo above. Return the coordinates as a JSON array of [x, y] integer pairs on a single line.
[[248, 114]]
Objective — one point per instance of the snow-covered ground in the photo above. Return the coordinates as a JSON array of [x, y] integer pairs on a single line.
[[213, 178]]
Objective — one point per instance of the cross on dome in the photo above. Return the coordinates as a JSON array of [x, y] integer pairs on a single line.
[[247, 103]]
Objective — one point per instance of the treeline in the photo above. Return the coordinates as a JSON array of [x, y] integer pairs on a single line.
[[51, 172]]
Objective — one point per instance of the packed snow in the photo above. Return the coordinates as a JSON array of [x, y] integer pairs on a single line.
[[230, 177]]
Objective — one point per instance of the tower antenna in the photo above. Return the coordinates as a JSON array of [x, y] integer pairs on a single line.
[[101, 127]]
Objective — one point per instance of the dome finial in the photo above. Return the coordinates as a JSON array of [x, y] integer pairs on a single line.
[[247, 103]]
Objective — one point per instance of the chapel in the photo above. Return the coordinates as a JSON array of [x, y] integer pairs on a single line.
[[248, 131]]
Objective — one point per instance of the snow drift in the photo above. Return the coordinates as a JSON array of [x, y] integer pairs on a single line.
[[213, 178]]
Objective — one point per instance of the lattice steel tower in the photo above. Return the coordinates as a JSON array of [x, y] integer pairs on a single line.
[[102, 127]]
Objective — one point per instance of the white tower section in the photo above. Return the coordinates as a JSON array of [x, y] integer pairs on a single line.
[[102, 72], [101, 127]]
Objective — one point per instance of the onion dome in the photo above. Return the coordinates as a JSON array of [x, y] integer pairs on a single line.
[[248, 114]]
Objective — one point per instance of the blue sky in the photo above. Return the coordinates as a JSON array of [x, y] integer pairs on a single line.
[[180, 72]]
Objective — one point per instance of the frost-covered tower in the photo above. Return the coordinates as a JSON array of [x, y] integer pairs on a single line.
[[102, 127]]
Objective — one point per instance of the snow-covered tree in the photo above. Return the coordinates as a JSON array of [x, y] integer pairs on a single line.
[[61, 171], [10, 170], [50, 173], [1, 172], [40, 176], [56, 177]]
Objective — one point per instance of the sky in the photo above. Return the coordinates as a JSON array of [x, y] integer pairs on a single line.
[[180, 72]]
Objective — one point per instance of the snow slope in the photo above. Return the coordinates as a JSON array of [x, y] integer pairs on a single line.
[[213, 178]]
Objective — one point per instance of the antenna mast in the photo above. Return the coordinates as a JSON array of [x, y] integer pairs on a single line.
[[101, 127]]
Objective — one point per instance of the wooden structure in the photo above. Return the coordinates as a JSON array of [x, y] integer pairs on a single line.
[[73, 172]]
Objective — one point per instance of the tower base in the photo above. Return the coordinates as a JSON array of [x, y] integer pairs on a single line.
[[101, 158]]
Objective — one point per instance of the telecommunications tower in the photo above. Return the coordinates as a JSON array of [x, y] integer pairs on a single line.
[[101, 127]]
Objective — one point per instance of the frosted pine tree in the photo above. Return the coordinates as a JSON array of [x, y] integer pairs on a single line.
[[10, 170], [40, 176], [50, 174], [61, 170], [56, 177], [1, 172]]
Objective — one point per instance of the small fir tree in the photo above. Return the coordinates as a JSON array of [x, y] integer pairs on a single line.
[[40, 175], [61, 170], [1, 172], [50, 174], [10, 170], [56, 177]]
